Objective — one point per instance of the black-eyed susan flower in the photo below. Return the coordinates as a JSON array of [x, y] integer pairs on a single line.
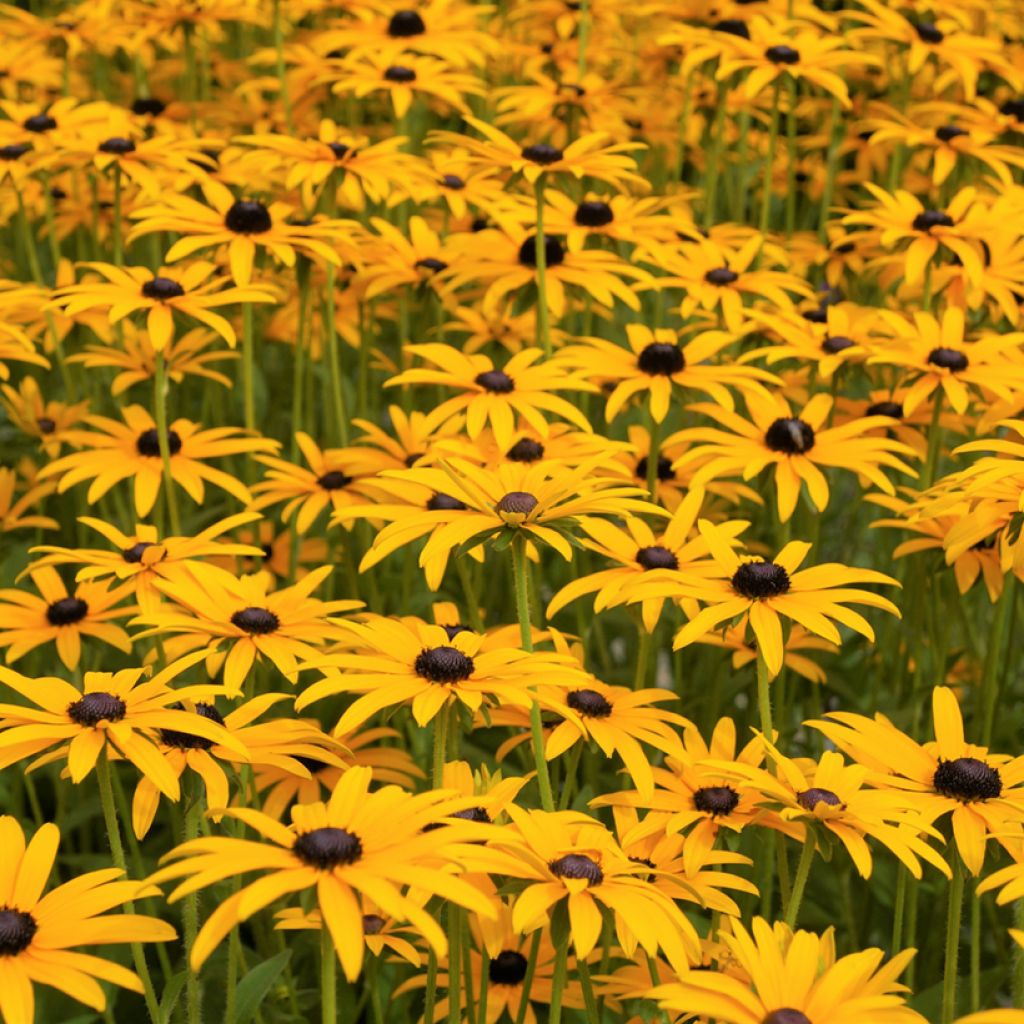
[[62, 617], [657, 363], [357, 843], [982, 792], [40, 929], [114, 451], [39, 417], [192, 292], [212, 607], [114, 714], [524, 388], [791, 978], [768, 590], [795, 446], [16, 511], [394, 662]]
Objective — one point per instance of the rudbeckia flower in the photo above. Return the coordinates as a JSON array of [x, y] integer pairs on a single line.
[[61, 617], [193, 292], [15, 346], [935, 354], [796, 446], [215, 608], [37, 417], [591, 156], [40, 929], [131, 451], [15, 511], [142, 557], [393, 663], [284, 744], [770, 590], [374, 844], [643, 557], [115, 714], [656, 363], [791, 978], [523, 388], [983, 793], [538, 500], [242, 225], [570, 857]]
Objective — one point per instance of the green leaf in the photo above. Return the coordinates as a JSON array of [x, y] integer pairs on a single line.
[[170, 995], [252, 989]]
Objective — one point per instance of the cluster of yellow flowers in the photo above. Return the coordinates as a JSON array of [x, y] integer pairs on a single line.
[[441, 447]]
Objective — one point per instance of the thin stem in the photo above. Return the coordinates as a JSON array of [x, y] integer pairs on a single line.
[[764, 700], [975, 953], [653, 454], [440, 746], [190, 913], [248, 360], [643, 656], [769, 161], [334, 360], [803, 870], [163, 440], [469, 594], [328, 977], [117, 852], [531, 967], [714, 158], [117, 225], [791, 157], [430, 995], [990, 678], [520, 572], [558, 980], [953, 918], [540, 258], [454, 964], [934, 441], [589, 1000], [902, 875]]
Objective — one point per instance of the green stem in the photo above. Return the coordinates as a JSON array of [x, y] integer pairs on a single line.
[[714, 158], [589, 1000], [163, 440], [902, 876], [1018, 963], [934, 441], [302, 271], [117, 852], [334, 358], [990, 678], [469, 594], [248, 358], [440, 745], [116, 228], [643, 656], [558, 980], [520, 572], [764, 700], [831, 164], [190, 914], [531, 967], [328, 977], [653, 454], [791, 156], [485, 977], [769, 162], [282, 80], [454, 964], [543, 327], [975, 953], [430, 995], [953, 918], [803, 870]]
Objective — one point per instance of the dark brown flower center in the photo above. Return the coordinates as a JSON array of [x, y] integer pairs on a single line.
[[786, 1016], [517, 503], [928, 33], [664, 471], [756, 580], [948, 359], [445, 503], [93, 708], [810, 798], [837, 343], [148, 443], [496, 381], [16, 931], [46, 425], [948, 132], [117, 146], [431, 263], [162, 289], [14, 151], [721, 276], [589, 703], [39, 123], [593, 213], [542, 153], [553, 251], [577, 865], [188, 740], [453, 181], [526, 449], [477, 814], [507, 968], [443, 665], [660, 359], [790, 435], [967, 779], [928, 219], [886, 408], [258, 621], [148, 105], [404, 24], [373, 924], [657, 557], [67, 611], [334, 480], [400, 74], [732, 27], [327, 848], [717, 801], [133, 555], [782, 54], [248, 217]]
